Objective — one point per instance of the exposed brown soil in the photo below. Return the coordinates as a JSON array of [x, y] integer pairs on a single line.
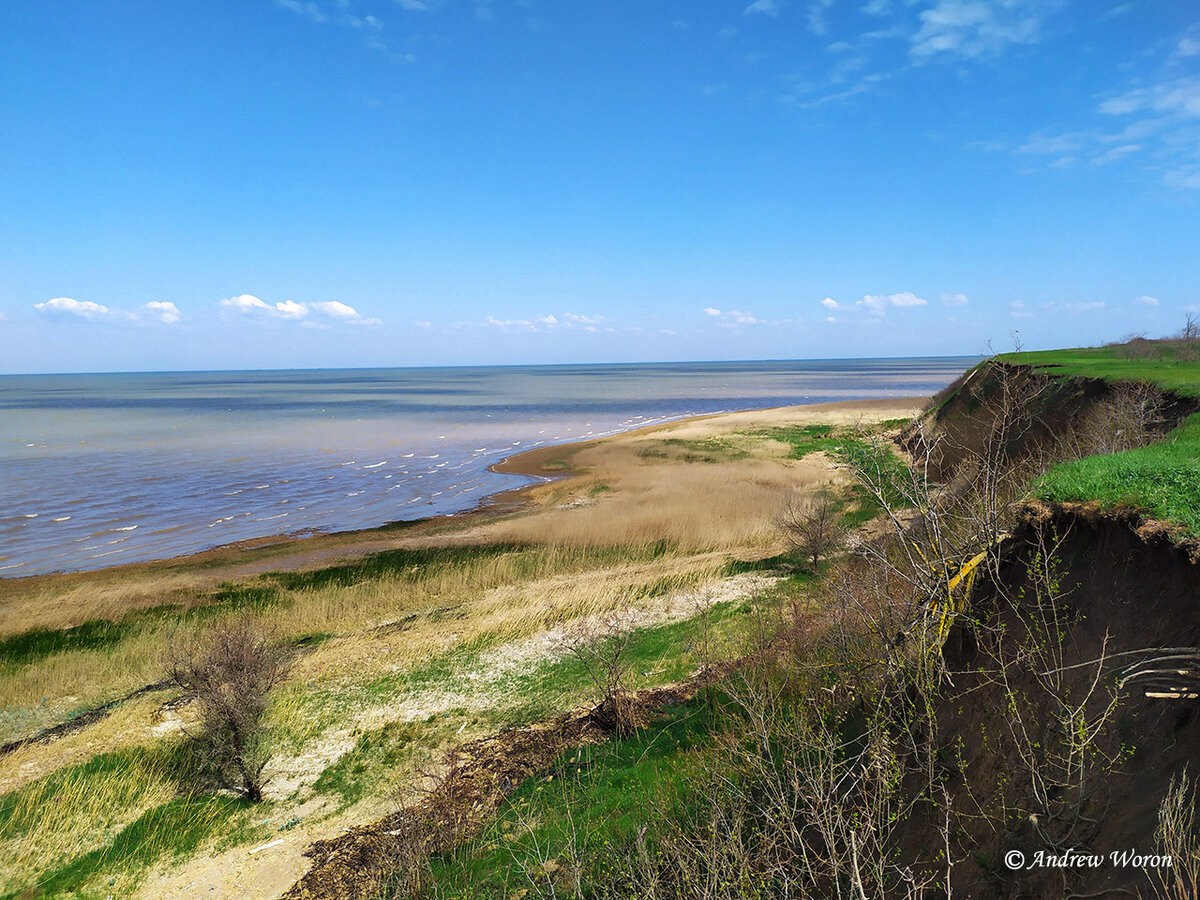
[[1129, 590], [961, 416], [479, 775]]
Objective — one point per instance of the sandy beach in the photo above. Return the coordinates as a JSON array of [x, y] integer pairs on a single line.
[[635, 486]]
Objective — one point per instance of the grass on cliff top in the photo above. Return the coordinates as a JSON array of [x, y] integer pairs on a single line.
[[1162, 479], [1168, 364]]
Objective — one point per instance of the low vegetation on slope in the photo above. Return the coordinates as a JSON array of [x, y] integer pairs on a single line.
[[106, 785], [1161, 479]]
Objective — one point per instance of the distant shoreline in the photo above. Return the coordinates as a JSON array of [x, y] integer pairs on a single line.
[[283, 552]]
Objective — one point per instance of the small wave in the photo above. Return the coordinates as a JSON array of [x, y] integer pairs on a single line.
[[126, 528], [260, 487], [13, 566], [269, 518], [435, 456], [354, 493], [376, 465], [30, 516], [219, 521], [408, 456], [108, 553], [232, 493], [61, 519]]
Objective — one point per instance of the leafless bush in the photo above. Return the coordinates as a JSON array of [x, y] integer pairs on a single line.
[[813, 525], [603, 649], [231, 669], [1129, 417], [1178, 836], [1191, 328]]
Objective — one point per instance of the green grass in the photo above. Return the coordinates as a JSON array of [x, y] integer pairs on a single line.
[[705, 450], [175, 829], [1162, 479], [39, 643], [373, 762], [1165, 366], [804, 439], [590, 805], [115, 816]]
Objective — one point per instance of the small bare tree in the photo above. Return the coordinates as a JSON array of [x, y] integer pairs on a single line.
[[602, 648], [231, 669], [1191, 328], [813, 525]]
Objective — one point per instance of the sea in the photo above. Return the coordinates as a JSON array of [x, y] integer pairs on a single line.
[[102, 469]]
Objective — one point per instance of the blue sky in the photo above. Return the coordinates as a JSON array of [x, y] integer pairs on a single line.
[[293, 183]]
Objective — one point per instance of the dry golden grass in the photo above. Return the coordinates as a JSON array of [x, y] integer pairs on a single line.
[[53, 821], [641, 519]]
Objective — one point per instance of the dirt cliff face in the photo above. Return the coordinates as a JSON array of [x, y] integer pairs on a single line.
[[1119, 598], [1041, 413]]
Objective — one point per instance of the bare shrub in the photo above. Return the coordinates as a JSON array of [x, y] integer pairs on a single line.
[[1191, 328], [231, 669], [1129, 417], [603, 649], [1178, 836], [813, 525]]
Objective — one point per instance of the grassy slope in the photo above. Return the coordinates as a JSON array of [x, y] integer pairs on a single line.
[[1163, 368], [1162, 479], [400, 661]]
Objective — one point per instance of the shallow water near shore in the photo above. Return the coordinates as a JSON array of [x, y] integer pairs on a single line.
[[113, 468]]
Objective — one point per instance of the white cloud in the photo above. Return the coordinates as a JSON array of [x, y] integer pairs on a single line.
[[818, 23], [734, 317], [1075, 307], [245, 303], [977, 28], [413, 5], [1179, 96], [336, 310], [66, 307], [423, 324], [1147, 301], [908, 298], [955, 299], [831, 318], [161, 310], [1188, 47], [290, 310], [341, 312], [547, 320], [310, 11], [877, 304], [763, 7], [829, 303], [583, 320]]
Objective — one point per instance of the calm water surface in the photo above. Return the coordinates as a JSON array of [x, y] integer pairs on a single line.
[[102, 469]]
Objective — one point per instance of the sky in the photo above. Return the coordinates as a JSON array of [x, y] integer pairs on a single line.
[[235, 184]]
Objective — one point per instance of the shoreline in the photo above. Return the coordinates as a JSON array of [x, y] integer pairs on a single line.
[[544, 464]]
